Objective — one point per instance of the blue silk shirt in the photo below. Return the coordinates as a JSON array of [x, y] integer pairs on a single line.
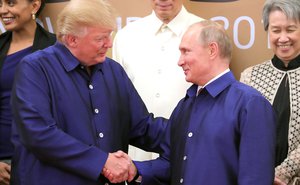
[[66, 121], [223, 136]]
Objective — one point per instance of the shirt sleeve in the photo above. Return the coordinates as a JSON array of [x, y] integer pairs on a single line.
[[158, 171], [154, 172], [257, 143], [289, 168], [146, 131], [246, 76]]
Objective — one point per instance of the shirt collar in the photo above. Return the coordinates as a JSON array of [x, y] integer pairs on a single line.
[[155, 22], [293, 64], [216, 85], [220, 84], [175, 25], [216, 77], [70, 62]]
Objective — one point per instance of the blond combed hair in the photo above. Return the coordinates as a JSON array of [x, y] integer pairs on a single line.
[[78, 14]]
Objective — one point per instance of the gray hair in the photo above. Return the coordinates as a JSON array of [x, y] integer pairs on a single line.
[[78, 14], [291, 8], [213, 32]]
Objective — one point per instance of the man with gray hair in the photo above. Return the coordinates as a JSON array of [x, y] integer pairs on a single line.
[[222, 132]]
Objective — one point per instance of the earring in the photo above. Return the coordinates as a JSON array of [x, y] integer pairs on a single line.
[[33, 16]]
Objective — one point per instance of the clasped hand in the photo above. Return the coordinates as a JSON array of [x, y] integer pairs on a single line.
[[277, 181], [4, 173], [119, 168]]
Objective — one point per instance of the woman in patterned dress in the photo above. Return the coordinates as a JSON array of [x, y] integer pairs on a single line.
[[278, 80]]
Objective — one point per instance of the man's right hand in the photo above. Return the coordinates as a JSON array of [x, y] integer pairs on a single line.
[[116, 168], [4, 173]]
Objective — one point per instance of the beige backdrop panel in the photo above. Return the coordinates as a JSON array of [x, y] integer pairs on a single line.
[[241, 18]]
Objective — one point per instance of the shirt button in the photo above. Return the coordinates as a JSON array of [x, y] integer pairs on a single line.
[[82, 67], [96, 111], [190, 134], [162, 48], [106, 184], [91, 87], [159, 71], [101, 135], [181, 181], [185, 157], [157, 95]]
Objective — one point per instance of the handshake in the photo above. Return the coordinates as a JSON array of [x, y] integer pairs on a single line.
[[119, 168]]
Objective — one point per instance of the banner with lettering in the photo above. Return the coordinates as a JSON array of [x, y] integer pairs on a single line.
[[241, 19]]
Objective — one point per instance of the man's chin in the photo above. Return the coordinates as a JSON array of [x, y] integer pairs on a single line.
[[188, 80], [102, 59]]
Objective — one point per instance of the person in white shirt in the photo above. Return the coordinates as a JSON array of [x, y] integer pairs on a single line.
[[148, 50]]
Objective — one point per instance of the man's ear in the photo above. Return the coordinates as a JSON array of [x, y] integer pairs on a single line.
[[71, 40], [213, 49]]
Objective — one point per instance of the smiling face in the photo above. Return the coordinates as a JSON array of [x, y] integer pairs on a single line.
[[194, 59], [91, 46], [284, 36], [16, 14], [166, 10]]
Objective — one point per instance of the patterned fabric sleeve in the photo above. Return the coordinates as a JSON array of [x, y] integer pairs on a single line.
[[246, 76], [260, 75], [289, 167]]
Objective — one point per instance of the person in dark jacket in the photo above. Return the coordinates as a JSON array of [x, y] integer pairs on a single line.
[[22, 37]]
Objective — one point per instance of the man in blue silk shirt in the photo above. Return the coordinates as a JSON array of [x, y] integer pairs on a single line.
[[75, 110], [222, 132]]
